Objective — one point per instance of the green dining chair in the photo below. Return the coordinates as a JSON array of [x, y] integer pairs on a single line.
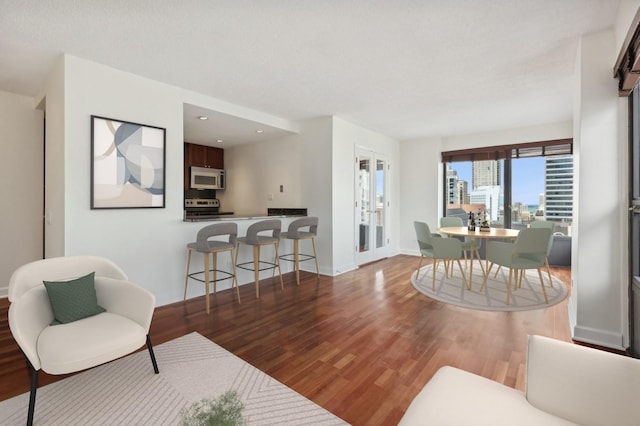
[[468, 242], [527, 252], [549, 225], [434, 247]]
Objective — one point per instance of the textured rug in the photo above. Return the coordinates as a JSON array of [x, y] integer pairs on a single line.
[[494, 297], [126, 392]]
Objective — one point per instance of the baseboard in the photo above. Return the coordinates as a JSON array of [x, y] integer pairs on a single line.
[[342, 269], [409, 252], [598, 337], [4, 291]]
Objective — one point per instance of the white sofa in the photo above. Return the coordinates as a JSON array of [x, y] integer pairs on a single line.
[[565, 384]]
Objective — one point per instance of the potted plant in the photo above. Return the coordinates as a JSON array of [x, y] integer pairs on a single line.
[[226, 410], [484, 223]]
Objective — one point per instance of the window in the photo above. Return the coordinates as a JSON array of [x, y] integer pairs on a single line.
[[513, 185]]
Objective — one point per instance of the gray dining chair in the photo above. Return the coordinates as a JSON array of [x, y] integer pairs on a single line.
[[437, 248], [549, 225], [527, 252], [468, 244]]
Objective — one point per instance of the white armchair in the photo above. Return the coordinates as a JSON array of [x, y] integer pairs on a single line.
[[65, 348], [565, 384]]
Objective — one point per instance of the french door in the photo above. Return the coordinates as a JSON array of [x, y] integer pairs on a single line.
[[371, 206], [634, 224]]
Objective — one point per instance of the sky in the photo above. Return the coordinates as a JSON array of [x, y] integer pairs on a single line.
[[527, 178]]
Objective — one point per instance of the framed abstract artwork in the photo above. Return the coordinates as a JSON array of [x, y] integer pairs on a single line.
[[127, 164]]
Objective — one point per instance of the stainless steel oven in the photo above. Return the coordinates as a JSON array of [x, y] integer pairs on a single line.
[[203, 208]]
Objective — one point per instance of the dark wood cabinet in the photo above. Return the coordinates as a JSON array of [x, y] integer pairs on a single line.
[[201, 156], [196, 155]]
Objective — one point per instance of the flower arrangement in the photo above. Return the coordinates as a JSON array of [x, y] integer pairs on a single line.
[[226, 410]]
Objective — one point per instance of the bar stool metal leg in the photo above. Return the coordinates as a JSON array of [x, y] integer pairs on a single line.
[[315, 257], [277, 262], [206, 280], [256, 268], [235, 274]]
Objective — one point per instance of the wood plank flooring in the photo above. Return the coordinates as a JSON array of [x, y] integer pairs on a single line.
[[361, 344]]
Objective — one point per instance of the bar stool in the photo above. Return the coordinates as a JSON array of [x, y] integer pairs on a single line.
[[206, 247], [295, 234], [253, 239]]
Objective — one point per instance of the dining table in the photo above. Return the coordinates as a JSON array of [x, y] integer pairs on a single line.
[[487, 234]]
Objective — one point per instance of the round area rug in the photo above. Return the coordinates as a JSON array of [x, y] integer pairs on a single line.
[[494, 296]]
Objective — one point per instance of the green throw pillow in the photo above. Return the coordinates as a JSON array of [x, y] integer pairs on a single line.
[[74, 299]]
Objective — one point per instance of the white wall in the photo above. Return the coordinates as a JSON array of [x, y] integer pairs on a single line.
[[54, 98], [599, 304], [421, 189], [315, 141], [256, 170], [346, 136], [21, 183], [627, 10], [315, 166], [149, 244]]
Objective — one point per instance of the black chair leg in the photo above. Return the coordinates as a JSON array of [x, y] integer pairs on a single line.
[[32, 395], [153, 357]]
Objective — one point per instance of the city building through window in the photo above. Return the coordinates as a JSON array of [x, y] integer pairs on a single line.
[[512, 186]]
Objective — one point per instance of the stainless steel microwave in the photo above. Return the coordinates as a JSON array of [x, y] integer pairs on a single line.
[[207, 178]]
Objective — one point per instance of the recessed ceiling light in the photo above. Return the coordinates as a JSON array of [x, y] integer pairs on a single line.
[[219, 140], [203, 117], [259, 131]]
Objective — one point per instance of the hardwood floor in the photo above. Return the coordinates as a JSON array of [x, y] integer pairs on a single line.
[[361, 344]]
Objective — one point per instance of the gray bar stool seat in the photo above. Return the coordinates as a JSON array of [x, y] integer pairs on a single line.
[[297, 232], [257, 241], [206, 246]]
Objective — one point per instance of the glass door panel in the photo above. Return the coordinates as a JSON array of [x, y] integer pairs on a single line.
[[364, 203], [634, 224], [371, 206], [380, 202]]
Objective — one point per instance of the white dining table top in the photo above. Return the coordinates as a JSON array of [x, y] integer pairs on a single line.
[[462, 231]]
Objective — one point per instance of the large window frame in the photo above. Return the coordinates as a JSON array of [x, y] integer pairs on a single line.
[[506, 153]]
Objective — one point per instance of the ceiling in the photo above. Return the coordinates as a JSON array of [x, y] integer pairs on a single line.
[[406, 68]]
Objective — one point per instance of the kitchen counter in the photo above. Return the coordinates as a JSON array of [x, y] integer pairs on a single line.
[[271, 213], [231, 217]]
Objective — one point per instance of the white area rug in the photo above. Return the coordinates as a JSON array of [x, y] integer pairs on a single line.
[[494, 297], [127, 392]]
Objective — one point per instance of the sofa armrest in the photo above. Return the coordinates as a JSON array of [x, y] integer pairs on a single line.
[[455, 397], [126, 299], [581, 384]]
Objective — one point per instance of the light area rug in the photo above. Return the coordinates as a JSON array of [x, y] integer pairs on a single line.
[[127, 392], [494, 297]]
